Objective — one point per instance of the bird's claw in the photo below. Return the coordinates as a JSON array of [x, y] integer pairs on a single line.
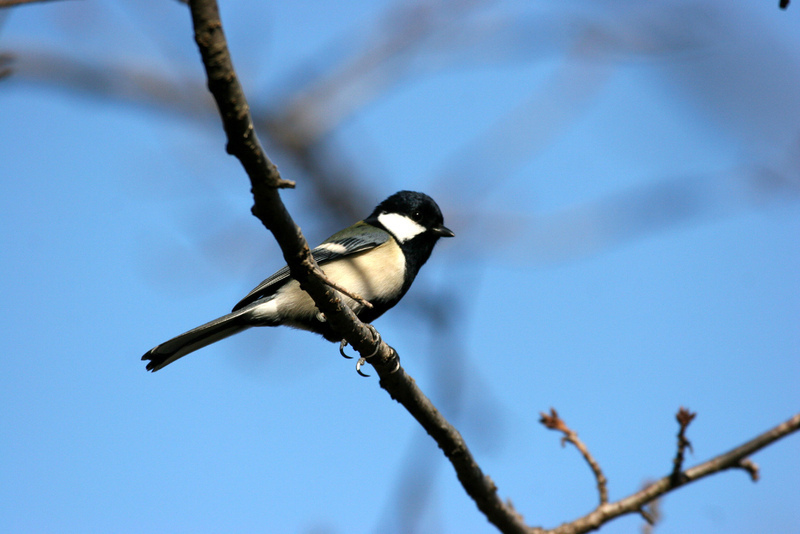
[[342, 345], [361, 361]]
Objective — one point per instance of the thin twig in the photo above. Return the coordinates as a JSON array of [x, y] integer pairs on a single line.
[[355, 296], [684, 418], [554, 422]]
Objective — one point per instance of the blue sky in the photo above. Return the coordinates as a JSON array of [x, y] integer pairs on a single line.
[[623, 183]]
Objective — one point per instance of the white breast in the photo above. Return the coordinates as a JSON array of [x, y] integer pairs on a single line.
[[380, 277]]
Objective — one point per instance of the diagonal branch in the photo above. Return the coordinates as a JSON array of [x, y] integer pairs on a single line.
[[269, 208]]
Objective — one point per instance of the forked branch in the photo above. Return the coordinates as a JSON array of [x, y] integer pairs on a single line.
[[736, 458]]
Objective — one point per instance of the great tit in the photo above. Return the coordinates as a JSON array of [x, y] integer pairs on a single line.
[[377, 259]]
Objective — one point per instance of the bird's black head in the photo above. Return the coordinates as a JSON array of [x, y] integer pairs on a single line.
[[411, 216], [416, 223]]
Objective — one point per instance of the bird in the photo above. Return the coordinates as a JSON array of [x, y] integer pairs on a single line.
[[377, 259]]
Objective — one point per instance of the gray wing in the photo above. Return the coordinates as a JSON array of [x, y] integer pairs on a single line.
[[357, 238]]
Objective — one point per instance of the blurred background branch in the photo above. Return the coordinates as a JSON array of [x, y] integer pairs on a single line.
[[12, 3]]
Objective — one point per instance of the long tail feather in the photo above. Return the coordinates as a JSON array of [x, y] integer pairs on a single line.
[[197, 338]]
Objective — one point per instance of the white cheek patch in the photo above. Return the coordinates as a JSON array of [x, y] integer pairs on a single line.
[[336, 248], [400, 226]]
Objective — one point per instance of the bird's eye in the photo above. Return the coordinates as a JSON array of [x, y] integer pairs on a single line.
[[417, 215]]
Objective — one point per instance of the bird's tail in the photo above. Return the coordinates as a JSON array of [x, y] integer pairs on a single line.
[[197, 338]]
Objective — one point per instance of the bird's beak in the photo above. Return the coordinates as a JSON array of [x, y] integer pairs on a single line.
[[443, 231]]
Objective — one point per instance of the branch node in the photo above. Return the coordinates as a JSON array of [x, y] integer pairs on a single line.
[[553, 421], [751, 467]]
